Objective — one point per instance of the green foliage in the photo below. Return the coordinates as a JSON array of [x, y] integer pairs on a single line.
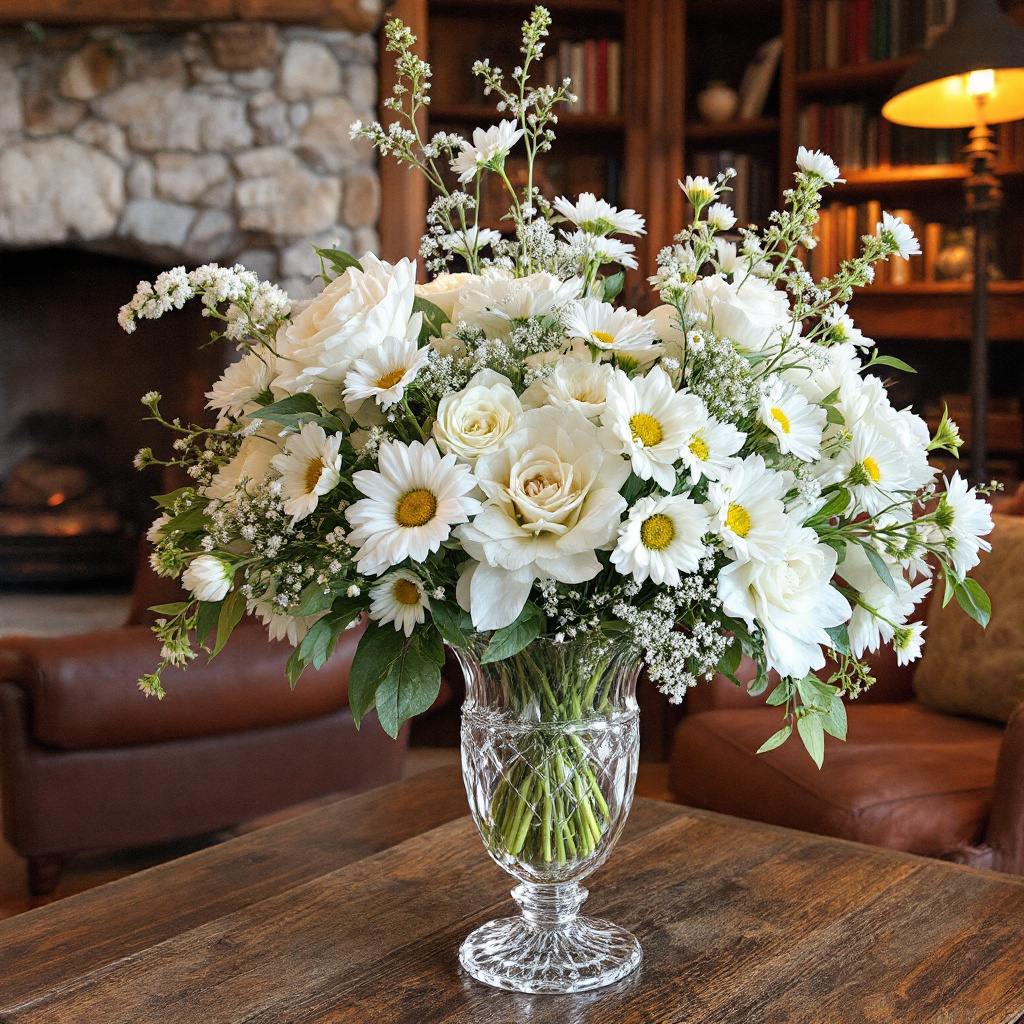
[[452, 622], [207, 617], [878, 564], [338, 259], [513, 638], [776, 739], [434, 318], [231, 612], [612, 285], [295, 411], [971, 596]]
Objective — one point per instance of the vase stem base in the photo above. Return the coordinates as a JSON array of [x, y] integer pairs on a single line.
[[582, 954]]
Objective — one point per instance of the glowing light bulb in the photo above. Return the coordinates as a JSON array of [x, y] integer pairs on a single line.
[[981, 83]]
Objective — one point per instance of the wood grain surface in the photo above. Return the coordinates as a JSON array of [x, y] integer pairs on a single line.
[[355, 913]]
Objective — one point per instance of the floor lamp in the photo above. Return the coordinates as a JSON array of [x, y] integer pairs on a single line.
[[973, 77]]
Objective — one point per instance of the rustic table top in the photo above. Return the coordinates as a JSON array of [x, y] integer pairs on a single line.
[[355, 912]]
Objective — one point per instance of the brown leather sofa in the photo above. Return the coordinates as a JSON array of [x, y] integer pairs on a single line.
[[87, 761], [907, 777]]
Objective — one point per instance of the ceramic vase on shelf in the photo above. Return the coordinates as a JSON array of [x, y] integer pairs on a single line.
[[550, 746], [717, 102]]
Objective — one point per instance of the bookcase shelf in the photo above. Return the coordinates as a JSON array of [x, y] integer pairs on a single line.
[[875, 74], [732, 131], [914, 176]]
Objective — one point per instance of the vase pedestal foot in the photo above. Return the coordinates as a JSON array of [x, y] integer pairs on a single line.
[[549, 949]]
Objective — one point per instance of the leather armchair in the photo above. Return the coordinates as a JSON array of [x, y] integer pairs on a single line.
[[908, 777], [87, 761]]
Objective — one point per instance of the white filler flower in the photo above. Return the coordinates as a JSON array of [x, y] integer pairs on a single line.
[[488, 149], [597, 217], [790, 598], [552, 499], [399, 598], [412, 505], [310, 467], [796, 423], [652, 421], [479, 418], [384, 373], [208, 578], [661, 538]]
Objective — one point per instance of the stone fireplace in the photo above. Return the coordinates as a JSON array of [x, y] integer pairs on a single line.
[[130, 145]]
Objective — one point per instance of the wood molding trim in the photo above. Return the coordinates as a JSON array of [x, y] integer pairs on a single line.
[[346, 14]]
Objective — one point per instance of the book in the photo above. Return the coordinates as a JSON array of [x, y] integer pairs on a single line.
[[757, 78]]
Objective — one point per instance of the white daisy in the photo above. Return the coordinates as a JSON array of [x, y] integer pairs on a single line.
[[813, 161], [699, 190], [576, 383], [399, 598], [651, 421], [412, 505], [796, 423], [240, 385], [720, 217], [488, 149], [383, 373], [309, 468], [908, 642], [660, 538], [710, 451], [497, 300], [727, 259], [964, 518], [599, 249], [619, 330], [899, 235], [875, 469], [597, 217], [473, 239], [208, 578], [747, 510], [842, 330]]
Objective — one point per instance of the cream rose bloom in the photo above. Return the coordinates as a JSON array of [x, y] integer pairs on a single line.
[[574, 383], [248, 468], [479, 418], [665, 319], [446, 290], [791, 600], [552, 499], [357, 311], [748, 314]]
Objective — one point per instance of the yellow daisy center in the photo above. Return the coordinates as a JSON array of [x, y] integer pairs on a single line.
[[700, 449], [871, 467], [782, 419], [405, 592], [738, 520], [646, 429], [603, 336], [389, 380], [314, 469], [416, 508], [656, 532]]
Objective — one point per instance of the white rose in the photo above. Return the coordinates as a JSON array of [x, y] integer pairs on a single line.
[[499, 299], [552, 499], [790, 598], [478, 419], [665, 320], [249, 466], [354, 313], [446, 290], [579, 385], [208, 578], [748, 314]]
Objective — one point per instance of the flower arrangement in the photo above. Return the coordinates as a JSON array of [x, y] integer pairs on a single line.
[[503, 454]]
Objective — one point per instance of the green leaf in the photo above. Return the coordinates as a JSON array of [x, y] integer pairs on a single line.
[[313, 600], [840, 636], [319, 642], [430, 642], [831, 398], [338, 258], [288, 408], [189, 521], [167, 500], [813, 735], [452, 623], [434, 318], [878, 564], [781, 693], [294, 668], [971, 596], [836, 505], [834, 722], [730, 660], [833, 415], [513, 638], [231, 614], [776, 739], [896, 364], [207, 617], [170, 609], [950, 587], [410, 687], [758, 686], [612, 285], [379, 649]]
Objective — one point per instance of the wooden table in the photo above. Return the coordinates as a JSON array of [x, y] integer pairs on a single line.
[[355, 912]]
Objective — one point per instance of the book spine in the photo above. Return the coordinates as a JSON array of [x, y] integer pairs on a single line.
[[615, 77], [601, 77]]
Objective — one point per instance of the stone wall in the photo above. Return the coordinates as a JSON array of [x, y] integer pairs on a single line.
[[228, 142]]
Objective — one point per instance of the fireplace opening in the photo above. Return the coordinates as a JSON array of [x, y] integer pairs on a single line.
[[72, 506]]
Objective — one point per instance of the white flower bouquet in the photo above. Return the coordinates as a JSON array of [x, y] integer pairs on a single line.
[[503, 454]]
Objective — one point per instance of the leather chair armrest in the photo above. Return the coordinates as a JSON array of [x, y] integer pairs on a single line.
[[84, 689], [1005, 833]]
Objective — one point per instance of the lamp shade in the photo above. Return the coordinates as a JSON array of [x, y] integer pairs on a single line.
[[939, 91]]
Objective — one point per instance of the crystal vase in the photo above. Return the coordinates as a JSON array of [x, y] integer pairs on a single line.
[[550, 745]]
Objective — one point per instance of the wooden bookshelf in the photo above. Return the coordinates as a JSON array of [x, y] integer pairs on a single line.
[[875, 74], [732, 131]]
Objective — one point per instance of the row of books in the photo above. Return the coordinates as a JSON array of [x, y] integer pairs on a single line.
[[595, 68], [857, 136], [834, 33], [753, 194], [841, 227]]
